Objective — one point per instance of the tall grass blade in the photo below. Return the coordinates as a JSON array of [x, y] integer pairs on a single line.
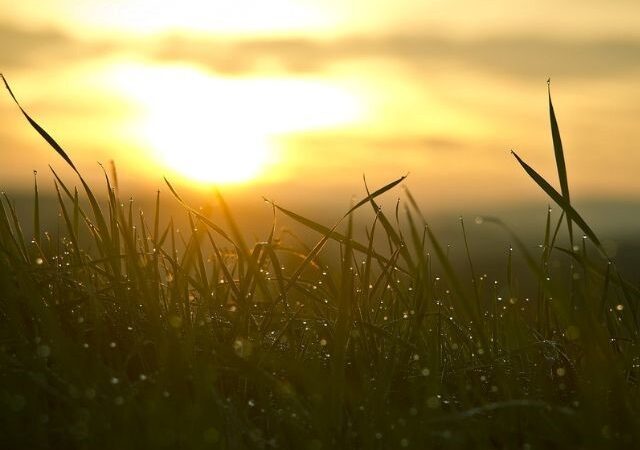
[[206, 221], [392, 234], [561, 201], [329, 233], [36, 210], [38, 128], [251, 257], [114, 175], [559, 156], [474, 279], [374, 194], [17, 228], [9, 234], [47, 137], [70, 229]]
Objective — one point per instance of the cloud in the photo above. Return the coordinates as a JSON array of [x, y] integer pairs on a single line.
[[43, 48], [362, 151], [389, 143], [520, 56]]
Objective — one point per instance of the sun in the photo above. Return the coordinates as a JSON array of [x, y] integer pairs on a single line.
[[219, 130], [193, 124], [205, 153], [204, 147]]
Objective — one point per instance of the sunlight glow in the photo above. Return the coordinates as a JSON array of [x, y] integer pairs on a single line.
[[225, 130]]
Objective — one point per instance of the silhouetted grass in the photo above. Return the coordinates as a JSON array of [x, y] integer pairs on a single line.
[[121, 332]]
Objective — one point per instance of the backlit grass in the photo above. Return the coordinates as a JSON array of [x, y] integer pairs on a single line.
[[120, 331]]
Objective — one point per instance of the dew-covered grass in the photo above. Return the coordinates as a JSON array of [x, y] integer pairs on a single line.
[[120, 331]]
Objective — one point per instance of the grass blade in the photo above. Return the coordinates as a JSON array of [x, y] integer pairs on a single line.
[[571, 213], [39, 129], [374, 194], [559, 156], [206, 221], [36, 209]]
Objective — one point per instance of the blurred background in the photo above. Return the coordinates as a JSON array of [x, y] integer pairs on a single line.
[[296, 100]]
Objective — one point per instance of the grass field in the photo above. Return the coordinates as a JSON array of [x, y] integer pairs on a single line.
[[120, 331]]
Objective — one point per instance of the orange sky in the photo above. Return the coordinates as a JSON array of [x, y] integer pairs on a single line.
[[296, 97]]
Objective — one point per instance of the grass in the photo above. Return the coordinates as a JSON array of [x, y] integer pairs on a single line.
[[119, 331]]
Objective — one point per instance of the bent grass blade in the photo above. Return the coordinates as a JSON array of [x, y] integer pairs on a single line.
[[572, 214]]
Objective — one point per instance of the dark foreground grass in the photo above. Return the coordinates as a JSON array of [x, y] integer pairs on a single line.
[[118, 331]]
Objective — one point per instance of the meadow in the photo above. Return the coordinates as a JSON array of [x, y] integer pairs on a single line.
[[121, 330]]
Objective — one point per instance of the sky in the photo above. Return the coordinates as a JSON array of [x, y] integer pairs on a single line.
[[298, 99]]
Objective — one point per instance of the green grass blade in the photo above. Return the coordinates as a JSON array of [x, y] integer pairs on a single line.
[[330, 233], [68, 223], [394, 236], [474, 279], [374, 194], [39, 129], [561, 201], [559, 156], [206, 221], [228, 277], [36, 210]]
